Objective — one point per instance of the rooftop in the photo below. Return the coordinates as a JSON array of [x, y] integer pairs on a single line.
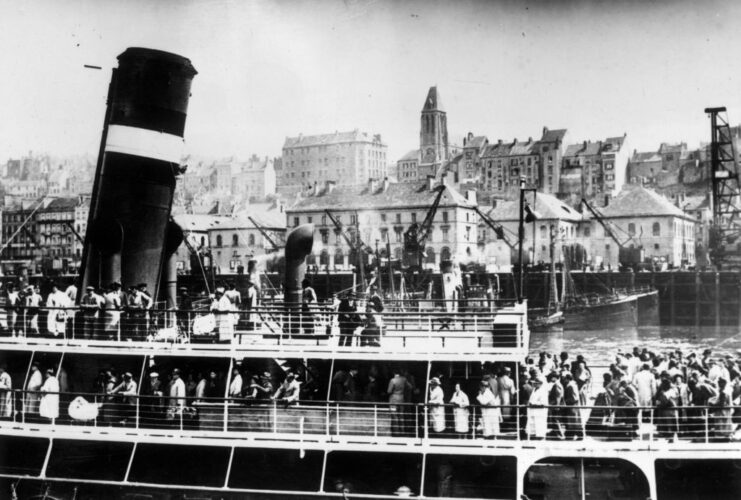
[[548, 207], [636, 201], [333, 138], [395, 195], [433, 102]]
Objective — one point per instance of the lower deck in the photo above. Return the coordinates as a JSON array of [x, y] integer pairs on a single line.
[[67, 468]]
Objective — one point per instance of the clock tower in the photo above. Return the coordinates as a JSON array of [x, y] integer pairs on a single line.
[[433, 135]]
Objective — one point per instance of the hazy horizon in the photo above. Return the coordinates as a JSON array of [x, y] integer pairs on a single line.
[[271, 69]]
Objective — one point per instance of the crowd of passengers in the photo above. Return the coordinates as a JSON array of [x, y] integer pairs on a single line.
[[553, 397], [116, 312]]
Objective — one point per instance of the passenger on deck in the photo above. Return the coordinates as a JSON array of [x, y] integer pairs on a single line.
[[138, 303], [113, 303], [571, 413], [289, 390], [33, 303], [49, 404], [250, 305], [437, 406], [57, 317], [35, 381], [91, 305], [176, 392], [371, 334], [235, 387], [461, 414], [348, 319], [665, 414], [507, 391], [490, 412], [12, 305], [221, 307], [6, 393], [263, 388], [537, 412], [128, 390], [308, 300], [722, 411], [397, 390], [645, 383], [555, 401], [152, 405], [344, 385]]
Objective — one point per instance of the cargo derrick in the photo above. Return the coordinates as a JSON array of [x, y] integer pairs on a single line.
[[725, 202], [131, 237]]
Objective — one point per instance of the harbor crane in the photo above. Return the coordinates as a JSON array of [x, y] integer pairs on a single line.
[[627, 256], [354, 242], [416, 236], [726, 193], [264, 232], [496, 227]]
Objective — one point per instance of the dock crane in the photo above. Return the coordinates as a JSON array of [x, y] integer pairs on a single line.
[[627, 256], [416, 236], [266, 235], [726, 192], [355, 244], [496, 227]]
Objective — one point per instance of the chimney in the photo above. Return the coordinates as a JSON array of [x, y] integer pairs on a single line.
[[499, 142], [430, 182], [316, 188], [329, 186], [371, 185], [385, 184], [545, 131], [584, 145], [471, 196]]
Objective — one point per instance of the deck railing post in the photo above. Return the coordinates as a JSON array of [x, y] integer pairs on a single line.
[[138, 403], [326, 413], [707, 425], [225, 424], [275, 417], [337, 419], [375, 420], [181, 417], [473, 423], [651, 429]]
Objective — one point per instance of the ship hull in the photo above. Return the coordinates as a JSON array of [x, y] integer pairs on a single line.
[[618, 313]]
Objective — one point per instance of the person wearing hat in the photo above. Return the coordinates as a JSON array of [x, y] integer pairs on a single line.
[[348, 319], [91, 304], [404, 492], [176, 391], [112, 304], [152, 405], [437, 406], [128, 390], [289, 390], [6, 394], [221, 307], [138, 304], [490, 411], [32, 398]]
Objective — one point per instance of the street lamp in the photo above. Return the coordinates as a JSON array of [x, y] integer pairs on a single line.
[[527, 214]]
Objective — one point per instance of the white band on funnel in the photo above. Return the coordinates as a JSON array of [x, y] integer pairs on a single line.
[[143, 142]]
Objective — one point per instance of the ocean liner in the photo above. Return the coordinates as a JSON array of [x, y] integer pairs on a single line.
[[322, 411]]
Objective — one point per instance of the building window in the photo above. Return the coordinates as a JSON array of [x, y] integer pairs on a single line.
[[398, 218], [353, 220], [445, 216], [295, 221], [325, 237], [656, 246], [631, 229], [445, 234], [235, 240], [219, 240], [399, 235], [657, 229], [414, 217], [383, 217], [309, 220], [251, 240], [587, 231], [324, 220]]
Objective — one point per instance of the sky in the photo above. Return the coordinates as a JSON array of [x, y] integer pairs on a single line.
[[271, 69]]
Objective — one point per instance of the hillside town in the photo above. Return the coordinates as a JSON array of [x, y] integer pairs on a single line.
[[235, 210]]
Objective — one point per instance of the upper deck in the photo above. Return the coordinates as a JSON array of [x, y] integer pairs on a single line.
[[423, 330]]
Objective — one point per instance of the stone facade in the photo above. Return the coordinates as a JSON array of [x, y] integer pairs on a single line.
[[346, 158]]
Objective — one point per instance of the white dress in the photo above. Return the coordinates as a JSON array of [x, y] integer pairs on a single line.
[[6, 396], [537, 418], [460, 411], [491, 415], [437, 410], [49, 406], [35, 382], [57, 317]]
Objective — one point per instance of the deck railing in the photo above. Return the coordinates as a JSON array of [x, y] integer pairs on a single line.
[[434, 328], [372, 421]]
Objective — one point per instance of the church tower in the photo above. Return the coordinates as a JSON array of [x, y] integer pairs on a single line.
[[433, 135]]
